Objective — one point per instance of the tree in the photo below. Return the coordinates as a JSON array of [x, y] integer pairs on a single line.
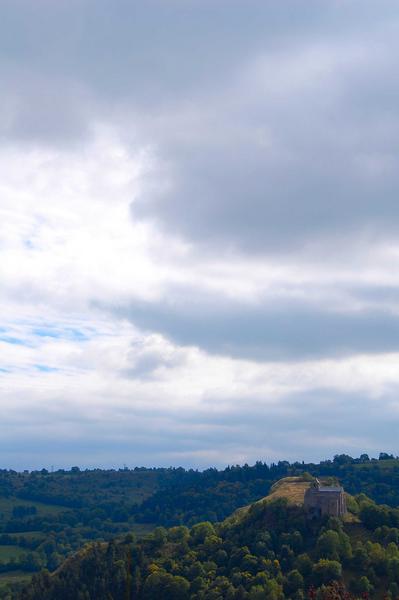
[[164, 586], [304, 565], [160, 536], [201, 531], [360, 558], [393, 570], [257, 593], [294, 582], [364, 458], [328, 545], [326, 571], [374, 516], [361, 585], [385, 456], [178, 534], [178, 588], [271, 590]]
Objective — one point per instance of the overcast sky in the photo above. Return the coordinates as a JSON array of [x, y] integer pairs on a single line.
[[199, 231]]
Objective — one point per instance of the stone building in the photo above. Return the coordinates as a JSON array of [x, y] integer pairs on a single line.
[[323, 500]]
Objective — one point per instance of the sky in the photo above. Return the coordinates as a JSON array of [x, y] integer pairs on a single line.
[[199, 231]]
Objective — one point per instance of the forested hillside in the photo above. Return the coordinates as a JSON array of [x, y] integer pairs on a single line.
[[190, 496], [45, 517], [269, 551]]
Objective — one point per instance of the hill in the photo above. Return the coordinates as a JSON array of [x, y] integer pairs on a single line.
[[47, 516], [269, 550]]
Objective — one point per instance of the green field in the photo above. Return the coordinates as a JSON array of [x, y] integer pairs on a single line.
[[7, 505], [13, 576], [29, 535], [8, 553]]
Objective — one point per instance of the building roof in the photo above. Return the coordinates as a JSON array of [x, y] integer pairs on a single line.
[[330, 488]]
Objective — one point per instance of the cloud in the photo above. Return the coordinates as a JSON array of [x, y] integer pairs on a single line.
[[198, 230], [276, 328], [312, 425], [273, 129], [287, 155], [137, 344], [149, 357]]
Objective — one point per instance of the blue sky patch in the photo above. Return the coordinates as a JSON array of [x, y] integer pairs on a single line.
[[46, 332], [76, 335], [9, 339], [45, 369], [68, 333]]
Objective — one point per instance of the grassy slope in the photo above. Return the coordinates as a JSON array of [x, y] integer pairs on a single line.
[[292, 488]]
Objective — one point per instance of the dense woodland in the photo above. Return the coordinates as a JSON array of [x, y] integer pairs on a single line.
[[271, 551], [45, 517]]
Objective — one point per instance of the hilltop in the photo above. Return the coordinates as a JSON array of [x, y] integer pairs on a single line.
[[293, 489]]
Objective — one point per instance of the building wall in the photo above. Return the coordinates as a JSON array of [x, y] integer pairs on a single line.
[[325, 503]]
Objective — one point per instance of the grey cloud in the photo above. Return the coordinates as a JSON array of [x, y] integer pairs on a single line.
[[139, 49], [254, 159], [57, 56], [144, 367], [275, 330], [51, 114], [146, 363], [285, 169], [317, 417]]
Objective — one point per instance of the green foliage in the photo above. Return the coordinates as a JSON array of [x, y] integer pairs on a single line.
[[294, 582], [334, 545], [201, 531], [46, 517], [361, 586], [165, 586], [326, 571], [238, 559], [328, 545], [257, 555]]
